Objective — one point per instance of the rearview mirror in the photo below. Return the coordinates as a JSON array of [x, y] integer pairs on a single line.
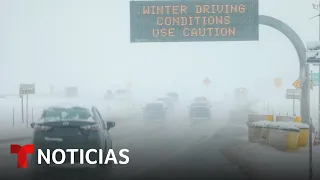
[[110, 125]]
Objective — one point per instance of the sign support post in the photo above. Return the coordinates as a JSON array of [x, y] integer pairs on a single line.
[[319, 83], [26, 89], [293, 109], [27, 110], [22, 111], [293, 94]]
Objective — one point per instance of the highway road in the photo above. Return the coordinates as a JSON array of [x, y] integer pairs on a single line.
[[176, 148]]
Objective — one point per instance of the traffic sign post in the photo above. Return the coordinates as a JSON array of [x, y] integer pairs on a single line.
[[277, 82], [313, 48], [293, 94], [178, 21], [22, 111], [207, 82], [315, 78], [297, 84], [26, 89]]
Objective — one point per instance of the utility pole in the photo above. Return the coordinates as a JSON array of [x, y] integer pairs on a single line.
[[319, 79], [317, 7]]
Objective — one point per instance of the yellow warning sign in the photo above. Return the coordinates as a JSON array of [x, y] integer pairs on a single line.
[[277, 82], [296, 84]]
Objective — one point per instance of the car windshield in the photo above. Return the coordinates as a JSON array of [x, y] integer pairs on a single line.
[[58, 114]]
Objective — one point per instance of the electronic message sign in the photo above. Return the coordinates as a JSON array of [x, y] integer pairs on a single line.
[[194, 20]]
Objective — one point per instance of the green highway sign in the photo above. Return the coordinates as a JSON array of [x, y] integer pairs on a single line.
[[189, 20], [315, 78]]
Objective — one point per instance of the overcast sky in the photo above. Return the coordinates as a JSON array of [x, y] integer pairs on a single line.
[[86, 43]]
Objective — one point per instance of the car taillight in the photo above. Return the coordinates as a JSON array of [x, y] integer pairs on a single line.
[[94, 127], [41, 128]]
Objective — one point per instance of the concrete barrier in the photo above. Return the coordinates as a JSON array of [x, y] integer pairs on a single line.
[[280, 135], [285, 139], [259, 131], [254, 134], [303, 139]]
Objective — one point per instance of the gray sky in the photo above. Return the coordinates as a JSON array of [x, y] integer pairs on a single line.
[[86, 43]]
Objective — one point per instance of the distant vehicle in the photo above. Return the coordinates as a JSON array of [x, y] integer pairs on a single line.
[[123, 94], [71, 92], [109, 95], [67, 128], [173, 96], [200, 110], [155, 111], [201, 99], [241, 95], [168, 102]]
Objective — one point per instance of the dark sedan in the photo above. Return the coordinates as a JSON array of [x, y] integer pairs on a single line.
[[72, 127]]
